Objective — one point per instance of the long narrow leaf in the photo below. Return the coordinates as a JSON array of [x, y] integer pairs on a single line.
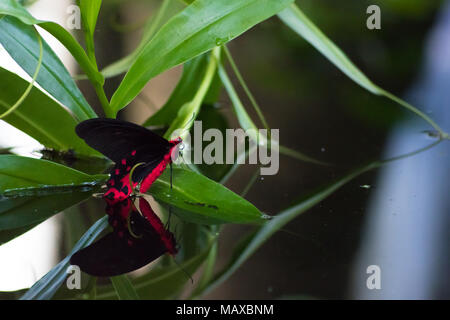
[[46, 287], [215, 204], [294, 18], [40, 117], [200, 27], [13, 8], [193, 72], [20, 174], [22, 44]]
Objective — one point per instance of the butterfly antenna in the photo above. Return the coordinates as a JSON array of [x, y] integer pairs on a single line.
[[170, 206], [131, 175]]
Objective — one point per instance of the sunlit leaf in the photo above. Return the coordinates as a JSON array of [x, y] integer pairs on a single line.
[[193, 72], [21, 42], [39, 116], [13, 8]]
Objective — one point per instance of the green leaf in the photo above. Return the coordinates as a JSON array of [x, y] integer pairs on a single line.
[[193, 73], [21, 42], [32, 209], [190, 110], [200, 27], [124, 288], [247, 123], [46, 287], [244, 119], [198, 199], [294, 18], [122, 65], [12, 8], [256, 239], [39, 116], [19, 174], [89, 13], [212, 118]]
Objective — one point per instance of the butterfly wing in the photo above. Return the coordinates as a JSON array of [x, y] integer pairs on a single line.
[[127, 144], [117, 139], [120, 251]]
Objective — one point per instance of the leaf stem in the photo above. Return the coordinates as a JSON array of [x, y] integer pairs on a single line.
[[246, 89], [109, 113], [30, 86]]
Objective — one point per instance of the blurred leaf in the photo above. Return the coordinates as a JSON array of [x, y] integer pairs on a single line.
[[18, 214], [190, 110], [89, 14], [294, 18], [200, 27], [244, 119], [46, 287], [20, 41], [201, 200], [247, 123], [211, 118], [13, 8], [22, 173], [208, 270], [124, 288], [193, 73], [39, 116], [164, 12]]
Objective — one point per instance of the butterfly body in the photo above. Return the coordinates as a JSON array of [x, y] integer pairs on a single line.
[[128, 144]]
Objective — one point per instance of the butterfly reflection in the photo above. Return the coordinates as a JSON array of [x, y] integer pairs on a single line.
[[138, 238]]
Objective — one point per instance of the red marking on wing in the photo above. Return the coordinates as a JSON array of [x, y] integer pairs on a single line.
[[166, 236], [119, 184], [159, 169]]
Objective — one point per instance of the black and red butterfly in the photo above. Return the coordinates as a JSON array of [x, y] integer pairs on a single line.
[[136, 241], [128, 144]]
